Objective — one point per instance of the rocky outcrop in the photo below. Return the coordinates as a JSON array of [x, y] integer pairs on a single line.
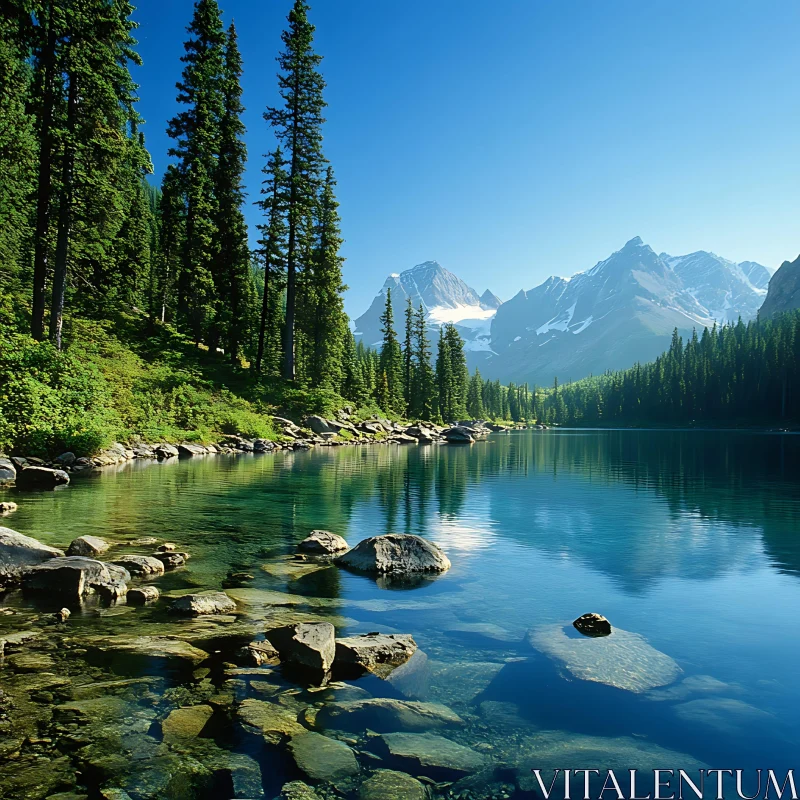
[[77, 576], [318, 424], [592, 625], [31, 478], [19, 553], [8, 472], [323, 543], [311, 645], [87, 546], [144, 566], [396, 554], [379, 653], [385, 715], [204, 603], [783, 293]]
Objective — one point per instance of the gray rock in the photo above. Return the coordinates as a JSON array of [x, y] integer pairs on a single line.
[[143, 594], [66, 459], [321, 758], [8, 472], [163, 451], [205, 603], [385, 715], [323, 543], [387, 784], [150, 651], [421, 434], [87, 546], [30, 478], [259, 654], [263, 446], [271, 720], [141, 565], [318, 424], [170, 560], [18, 553], [375, 652], [306, 644], [188, 450], [458, 435], [430, 755], [592, 625], [76, 577], [395, 553], [143, 451]]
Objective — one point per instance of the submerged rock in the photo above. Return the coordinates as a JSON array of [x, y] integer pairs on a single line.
[[141, 565], [384, 714], [297, 790], [272, 721], [30, 478], [395, 553], [76, 577], [306, 644], [143, 594], [430, 755], [87, 546], [386, 784], [153, 650], [592, 625], [321, 758], [323, 543], [204, 603], [621, 659], [186, 723], [379, 653], [18, 553]]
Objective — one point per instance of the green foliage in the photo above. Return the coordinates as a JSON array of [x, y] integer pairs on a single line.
[[389, 388]]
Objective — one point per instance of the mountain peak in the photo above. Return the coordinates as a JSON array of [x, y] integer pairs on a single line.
[[635, 242], [490, 300]]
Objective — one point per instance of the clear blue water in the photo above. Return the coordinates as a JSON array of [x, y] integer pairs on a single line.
[[689, 539]]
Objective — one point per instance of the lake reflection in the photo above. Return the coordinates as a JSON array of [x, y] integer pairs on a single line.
[[689, 542]]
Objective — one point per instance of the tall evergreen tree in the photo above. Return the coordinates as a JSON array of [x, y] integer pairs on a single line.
[[391, 362], [409, 378], [475, 396], [298, 125], [424, 394]]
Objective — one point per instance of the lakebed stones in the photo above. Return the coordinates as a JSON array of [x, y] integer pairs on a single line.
[[204, 603], [272, 721], [32, 478], [395, 554], [621, 659], [428, 754], [386, 784], [149, 651], [144, 566], [311, 645], [385, 715], [77, 576], [186, 723], [19, 553], [87, 546], [321, 758], [142, 595], [379, 653], [592, 625], [323, 543]]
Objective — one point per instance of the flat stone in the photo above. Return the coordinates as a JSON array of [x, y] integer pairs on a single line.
[[31, 662], [87, 546], [384, 715], [31, 478], [395, 553], [431, 755], [321, 758], [386, 784], [186, 723], [270, 720], [621, 659], [152, 648], [19, 552], [323, 543], [306, 644], [379, 653], [204, 603], [143, 594], [187, 450], [144, 566]]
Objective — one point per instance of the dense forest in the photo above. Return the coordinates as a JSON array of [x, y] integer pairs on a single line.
[[131, 311]]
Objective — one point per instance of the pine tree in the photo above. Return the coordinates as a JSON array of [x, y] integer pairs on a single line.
[[391, 362], [354, 386], [424, 394], [444, 379], [272, 246], [410, 382], [298, 128], [475, 397], [197, 133]]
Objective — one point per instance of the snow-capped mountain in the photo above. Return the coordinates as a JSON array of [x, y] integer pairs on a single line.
[[443, 296], [621, 311]]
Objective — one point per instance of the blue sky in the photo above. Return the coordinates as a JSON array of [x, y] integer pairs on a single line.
[[511, 141]]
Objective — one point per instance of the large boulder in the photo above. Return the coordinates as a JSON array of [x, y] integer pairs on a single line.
[[30, 478], [188, 450], [163, 451], [307, 644], [143, 594], [458, 434], [144, 566], [87, 546], [318, 424], [8, 472], [76, 577], [204, 603], [321, 758], [397, 554], [18, 553], [379, 653], [592, 625], [385, 715], [323, 543], [422, 434]]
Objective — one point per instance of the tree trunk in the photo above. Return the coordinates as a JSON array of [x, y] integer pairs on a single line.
[[44, 182], [64, 219]]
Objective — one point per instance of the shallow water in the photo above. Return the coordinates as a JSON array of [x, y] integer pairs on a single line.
[[689, 542]]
